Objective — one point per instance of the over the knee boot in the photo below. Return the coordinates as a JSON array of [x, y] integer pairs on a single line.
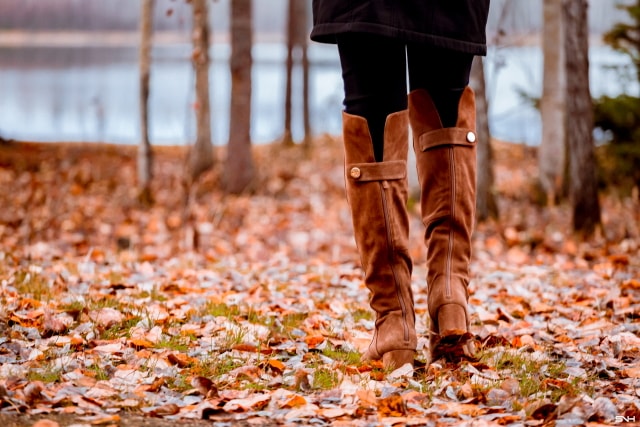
[[446, 163], [377, 194]]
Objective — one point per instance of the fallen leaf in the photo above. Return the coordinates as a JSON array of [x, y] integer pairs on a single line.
[[165, 410], [392, 406], [277, 366], [45, 423], [295, 401], [205, 387]]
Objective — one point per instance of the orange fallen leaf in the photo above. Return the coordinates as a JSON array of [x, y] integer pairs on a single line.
[[140, 343], [631, 284], [295, 401], [314, 341], [456, 409], [621, 260], [164, 410], [392, 406], [245, 347], [180, 359], [277, 366], [104, 419], [633, 372], [155, 386], [45, 423], [148, 256]]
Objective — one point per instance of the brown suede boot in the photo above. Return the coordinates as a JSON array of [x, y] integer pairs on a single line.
[[377, 194], [446, 163]]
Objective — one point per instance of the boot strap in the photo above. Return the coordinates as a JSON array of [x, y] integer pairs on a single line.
[[382, 171], [447, 136]]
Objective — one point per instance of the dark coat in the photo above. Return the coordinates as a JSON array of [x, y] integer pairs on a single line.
[[451, 24]]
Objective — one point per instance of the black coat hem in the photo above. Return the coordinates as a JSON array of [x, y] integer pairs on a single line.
[[325, 33]]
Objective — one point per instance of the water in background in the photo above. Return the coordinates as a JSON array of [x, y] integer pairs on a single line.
[[91, 94]]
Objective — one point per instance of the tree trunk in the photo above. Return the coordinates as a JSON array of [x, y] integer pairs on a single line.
[[582, 166], [552, 150], [486, 206], [201, 154], [302, 32], [239, 168], [145, 159], [287, 138]]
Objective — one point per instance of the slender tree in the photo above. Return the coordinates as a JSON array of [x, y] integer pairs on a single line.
[[583, 187], [239, 168], [201, 154], [287, 138], [486, 206], [145, 158], [302, 20], [297, 22], [552, 162]]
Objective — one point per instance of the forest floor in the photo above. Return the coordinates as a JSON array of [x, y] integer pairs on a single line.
[[251, 310]]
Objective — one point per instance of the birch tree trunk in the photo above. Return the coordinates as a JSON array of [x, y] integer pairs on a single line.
[[486, 206], [553, 148], [201, 154], [239, 168], [582, 165], [145, 156]]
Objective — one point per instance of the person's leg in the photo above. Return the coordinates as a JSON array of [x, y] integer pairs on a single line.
[[444, 74], [374, 76], [374, 73], [442, 116]]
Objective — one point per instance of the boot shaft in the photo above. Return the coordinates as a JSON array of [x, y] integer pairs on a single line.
[[446, 164], [377, 193]]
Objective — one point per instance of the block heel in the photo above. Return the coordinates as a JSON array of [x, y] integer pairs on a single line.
[[396, 358]]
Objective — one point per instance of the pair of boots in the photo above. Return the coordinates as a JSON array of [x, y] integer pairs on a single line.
[[377, 193]]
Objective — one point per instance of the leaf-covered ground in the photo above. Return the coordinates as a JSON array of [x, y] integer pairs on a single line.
[[250, 310]]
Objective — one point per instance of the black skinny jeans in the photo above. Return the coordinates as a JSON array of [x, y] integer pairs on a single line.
[[374, 73]]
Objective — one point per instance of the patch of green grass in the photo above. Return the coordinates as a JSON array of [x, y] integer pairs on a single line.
[[98, 371], [74, 306], [293, 320], [254, 386], [47, 374], [220, 309], [121, 329], [349, 357], [105, 302], [234, 337], [30, 282], [177, 343], [362, 314], [325, 378], [535, 375], [154, 295], [258, 319], [179, 383], [284, 325], [214, 367]]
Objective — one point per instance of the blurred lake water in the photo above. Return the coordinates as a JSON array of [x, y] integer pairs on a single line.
[[91, 93]]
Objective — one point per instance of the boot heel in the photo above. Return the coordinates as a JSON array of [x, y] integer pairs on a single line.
[[397, 358], [452, 320]]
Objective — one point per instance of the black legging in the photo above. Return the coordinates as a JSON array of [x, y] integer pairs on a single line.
[[374, 72]]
